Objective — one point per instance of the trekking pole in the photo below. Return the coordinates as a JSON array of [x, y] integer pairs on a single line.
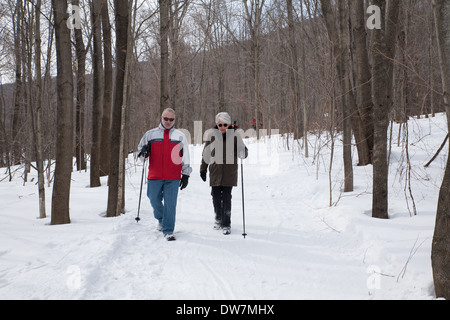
[[140, 194], [243, 206]]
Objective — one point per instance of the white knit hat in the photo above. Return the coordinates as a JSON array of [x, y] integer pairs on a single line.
[[224, 117]]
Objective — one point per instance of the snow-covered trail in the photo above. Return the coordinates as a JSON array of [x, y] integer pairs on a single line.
[[297, 246], [289, 252]]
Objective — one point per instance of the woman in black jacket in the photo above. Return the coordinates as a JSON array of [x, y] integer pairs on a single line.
[[221, 153]]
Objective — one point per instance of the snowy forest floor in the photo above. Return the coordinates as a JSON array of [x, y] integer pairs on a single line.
[[298, 247]]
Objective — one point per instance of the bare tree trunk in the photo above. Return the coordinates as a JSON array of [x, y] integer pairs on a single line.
[[27, 59], [18, 90], [304, 125], [164, 35], [97, 104], [340, 53], [4, 148], [38, 111], [253, 16], [347, 97], [383, 54], [363, 79], [440, 254], [5, 141], [122, 21], [432, 69], [294, 75], [81, 97], [107, 100], [126, 98], [64, 139], [174, 70]]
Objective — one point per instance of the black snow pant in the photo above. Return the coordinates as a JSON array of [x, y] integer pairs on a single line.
[[222, 205]]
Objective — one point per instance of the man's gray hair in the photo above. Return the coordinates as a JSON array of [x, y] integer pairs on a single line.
[[169, 110]]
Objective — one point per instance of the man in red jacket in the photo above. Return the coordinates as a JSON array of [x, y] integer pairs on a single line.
[[169, 169]]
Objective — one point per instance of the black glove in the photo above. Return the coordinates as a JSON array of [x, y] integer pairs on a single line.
[[145, 152], [203, 175], [184, 182]]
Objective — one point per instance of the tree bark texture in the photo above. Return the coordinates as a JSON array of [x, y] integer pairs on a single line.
[[383, 48], [97, 104], [363, 79], [336, 34], [64, 136], [122, 21], [164, 34], [440, 253]]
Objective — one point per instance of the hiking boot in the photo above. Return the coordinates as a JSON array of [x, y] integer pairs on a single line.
[[170, 237], [217, 225]]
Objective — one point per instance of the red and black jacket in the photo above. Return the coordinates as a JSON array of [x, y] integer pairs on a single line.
[[169, 154]]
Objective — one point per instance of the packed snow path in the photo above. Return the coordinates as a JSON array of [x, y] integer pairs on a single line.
[[297, 246]]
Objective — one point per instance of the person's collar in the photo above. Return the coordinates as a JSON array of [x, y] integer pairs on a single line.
[[161, 126]]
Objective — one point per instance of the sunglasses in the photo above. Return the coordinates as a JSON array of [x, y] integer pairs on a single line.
[[223, 125], [169, 119]]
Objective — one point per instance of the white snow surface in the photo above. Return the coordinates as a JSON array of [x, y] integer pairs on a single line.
[[298, 247]]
